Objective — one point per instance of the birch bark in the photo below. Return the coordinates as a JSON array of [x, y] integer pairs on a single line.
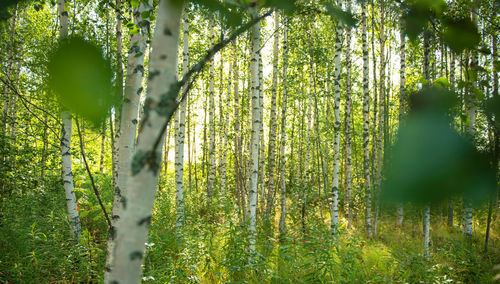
[[132, 227], [67, 174]]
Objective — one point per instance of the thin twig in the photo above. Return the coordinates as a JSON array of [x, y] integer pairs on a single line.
[[82, 151]]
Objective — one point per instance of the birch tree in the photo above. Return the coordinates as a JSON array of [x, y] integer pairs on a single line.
[[402, 99], [272, 129], [336, 125], [132, 227], [180, 125], [282, 223], [67, 173], [211, 118], [348, 123], [126, 133], [366, 126], [254, 140]]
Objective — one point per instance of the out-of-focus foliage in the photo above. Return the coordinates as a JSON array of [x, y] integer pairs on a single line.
[[81, 78], [430, 161], [457, 31]]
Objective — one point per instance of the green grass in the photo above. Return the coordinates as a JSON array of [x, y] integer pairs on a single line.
[[36, 246]]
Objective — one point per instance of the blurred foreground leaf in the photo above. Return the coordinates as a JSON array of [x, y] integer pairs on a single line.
[[81, 79], [430, 161]]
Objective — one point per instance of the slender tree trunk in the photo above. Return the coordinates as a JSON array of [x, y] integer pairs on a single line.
[[180, 121], [427, 208], [115, 155], [282, 223], [67, 174], [256, 125], [132, 227], [262, 150], [336, 126], [426, 224], [402, 100], [238, 158], [452, 83], [272, 129], [366, 127], [103, 144], [381, 117], [348, 125], [211, 119], [471, 107]]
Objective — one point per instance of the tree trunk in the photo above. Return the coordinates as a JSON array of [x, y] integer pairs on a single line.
[[256, 125], [282, 223], [132, 227], [366, 128], [211, 120], [67, 174], [125, 137], [381, 116], [272, 129], [348, 125], [426, 229], [180, 121], [402, 100], [336, 126]]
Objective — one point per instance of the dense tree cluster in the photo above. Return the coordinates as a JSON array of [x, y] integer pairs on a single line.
[[255, 141]]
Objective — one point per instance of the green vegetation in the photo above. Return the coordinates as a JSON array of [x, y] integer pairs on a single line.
[[249, 141]]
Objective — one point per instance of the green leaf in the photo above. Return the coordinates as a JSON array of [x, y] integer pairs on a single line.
[[84, 214], [415, 23], [286, 5], [431, 162], [134, 3], [81, 78], [460, 34], [442, 82], [340, 15], [496, 66]]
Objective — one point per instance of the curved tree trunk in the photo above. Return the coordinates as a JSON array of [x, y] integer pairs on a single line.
[[126, 133], [132, 227]]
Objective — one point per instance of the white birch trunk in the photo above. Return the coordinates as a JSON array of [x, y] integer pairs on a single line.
[[336, 127], [426, 228], [126, 134], [427, 208], [272, 129], [211, 120], [282, 223], [366, 127], [254, 140], [67, 174], [348, 123], [132, 227], [381, 114], [471, 108], [402, 101], [181, 121]]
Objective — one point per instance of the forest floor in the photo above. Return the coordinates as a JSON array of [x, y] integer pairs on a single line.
[[36, 247]]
